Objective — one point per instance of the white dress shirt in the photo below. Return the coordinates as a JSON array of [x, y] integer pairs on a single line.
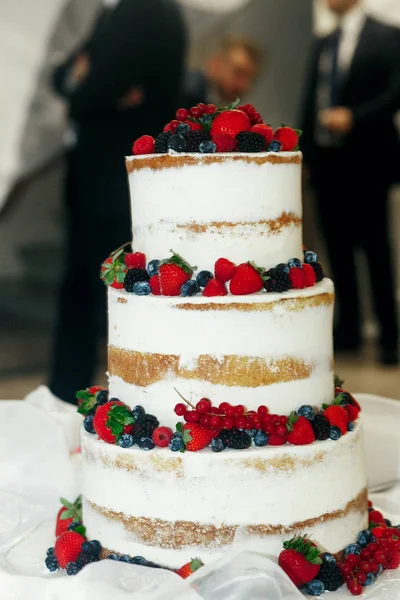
[[351, 25]]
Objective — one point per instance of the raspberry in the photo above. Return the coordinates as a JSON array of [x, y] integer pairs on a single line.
[[162, 436], [224, 270], [310, 275], [224, 142], [297, 278], [144, 145], [135, 260], [248, 141], [251, 112], [215, 288]]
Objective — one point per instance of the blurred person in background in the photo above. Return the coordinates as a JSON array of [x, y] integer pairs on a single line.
[[352, 153], [122, 83], [229, 73]]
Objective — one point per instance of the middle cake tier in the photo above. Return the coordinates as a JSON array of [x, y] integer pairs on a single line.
[[271, 349]]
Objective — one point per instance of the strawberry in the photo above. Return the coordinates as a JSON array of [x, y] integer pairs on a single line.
[[215, 288], [95, 388], [195, 436], [135, 260], [297, 278], [155, 285], [288, 137], [300, 560], [266, 131], [337, 416], [144, 145], [252, 113], [300, 430], [230, 122], [87, 400], [309, 274], [112, 420], [375, 516], [224, 270], [68, 547], [340, 390], [246, 280], [113, 270], [190, 567], [224, 142], [352, 411], [174, 272], [69, 513]]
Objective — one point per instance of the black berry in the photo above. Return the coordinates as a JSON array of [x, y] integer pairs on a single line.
[[250, 141], [319, 272], [195, 138], [330, 576], [234, 438], [278, 281], [133, 276], [321, 426], [144, 427], [161, 144]]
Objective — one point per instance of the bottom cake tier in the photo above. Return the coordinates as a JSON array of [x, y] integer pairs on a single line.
[[171, 507]]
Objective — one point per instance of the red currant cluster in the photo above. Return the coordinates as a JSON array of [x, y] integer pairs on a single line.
[[190, 117], [226, 416]]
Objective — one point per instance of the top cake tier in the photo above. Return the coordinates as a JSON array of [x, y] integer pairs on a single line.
[[246, 207]]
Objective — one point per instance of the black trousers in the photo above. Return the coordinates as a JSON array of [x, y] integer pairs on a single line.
[[82, 317], [352, 202]]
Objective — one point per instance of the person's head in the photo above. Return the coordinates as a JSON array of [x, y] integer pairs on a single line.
[[340, 7], [233, 67]]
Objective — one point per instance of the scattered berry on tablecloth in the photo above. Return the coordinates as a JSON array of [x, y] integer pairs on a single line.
[[144, 145], [250, 141], [224, 270], [246, 280], [215, 288], [187, 569], [300, 560], [70, 512]]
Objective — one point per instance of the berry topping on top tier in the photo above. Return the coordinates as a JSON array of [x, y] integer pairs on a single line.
[[207, 129]]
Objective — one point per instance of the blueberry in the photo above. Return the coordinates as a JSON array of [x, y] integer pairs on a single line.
[[113, 399], [307, 412], [352, 549], [176, 444], [88, 424], [388, 522], [183, 129], [139, 560], [141, 288], [274, 146], [370, 579], [351, 426], [335, 433], [251, 432], [146, 443], [310, 257], [125, 558], [364, 537], [294, 262], [177, 143], [203, 278], [126, 440], [283, 267], [102, 397], [138, 412], [261, 438], [50, 552], [379, 571], [94, 547], [51, 563], [205, 119], [217, 444], [315, 587], [112, 556], [72, 568], [153, 266], [207, 147], [190, 288], [328, 558]]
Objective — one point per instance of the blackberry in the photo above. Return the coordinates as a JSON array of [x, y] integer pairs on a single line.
[[161, 144], [144, 427], [319, 271], [194, 139], [321, 426], [330, 576], [133, 276], [85, 558], [249, 141], [234, 438], [278, 281]]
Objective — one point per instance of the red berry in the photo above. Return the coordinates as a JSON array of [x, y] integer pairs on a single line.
[[215, 421], [355, 588], [201, 106], [373, 547], [374, 566], [380, 557], [135, 260], [283, 420], [256, 423], [309, 275], [155, 285], [266, 131], [375, 516], [180, 409], [267, 418], [144, 145], [369, 504], [209, 109], [338, 417], [195, 112], [364, 566], [297, 278], [239, 410], [227, 423], [68, 547], [275, 419], [172, 125], [394, 561], [246, 280], [182, 114], [269, 428], [205, 420], [224, 270], [224, 142], [194, 125], [262, 410], [345, 569], [287, 137], [214, 410], [365, 554], [223, 406], [230, 411], [240, 422], [203, 406], [361, 577], [276, 440], [352, 560], [192, 416], [231, 122], [281, 430], [215, 288], [162, 436]]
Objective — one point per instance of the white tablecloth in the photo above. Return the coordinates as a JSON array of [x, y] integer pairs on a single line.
[[39, 463]]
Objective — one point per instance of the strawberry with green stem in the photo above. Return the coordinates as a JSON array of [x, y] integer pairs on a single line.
[[187, 569], [300, 560], [113, 269], [173, 273], [70, 512], [112, 420], [87, 400]]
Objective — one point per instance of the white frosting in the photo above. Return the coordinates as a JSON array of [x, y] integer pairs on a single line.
[[224, 489], [156, 325], [165, 201]]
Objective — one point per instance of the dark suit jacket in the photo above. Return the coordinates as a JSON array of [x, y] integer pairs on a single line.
[[371, 89], [142, 43]]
